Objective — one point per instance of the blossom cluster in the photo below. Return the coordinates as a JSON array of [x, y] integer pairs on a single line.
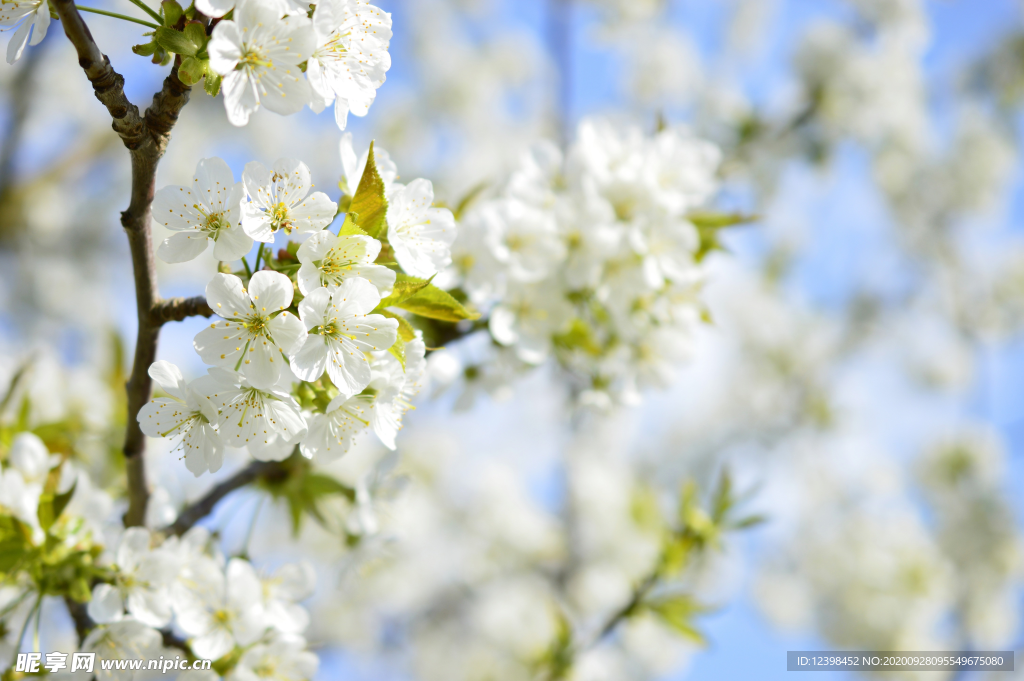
[[178, 584], [313, 316], [265, 48], [278, 54], [594, 255], [219, 604]]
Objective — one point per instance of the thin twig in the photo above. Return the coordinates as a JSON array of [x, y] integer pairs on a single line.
[[145, 137], [204, 506], [178, 309], [627, 610]]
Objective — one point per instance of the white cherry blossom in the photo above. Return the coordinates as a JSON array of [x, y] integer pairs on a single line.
[[333, 433], [282, 592], [186, 412], [221, 609], [283, 658], [142, 583], [529, 243], [351, 56], [341, 330], [124, 640], [30, 16], [527, 318], [209, 209], [328, 260], [395, 389], [256, 327], [257, 417], [258, 54], [420, 235], [280, 200]]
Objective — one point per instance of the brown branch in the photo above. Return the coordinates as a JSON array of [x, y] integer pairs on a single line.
[[204, 506], [177, 309], [145, 137]]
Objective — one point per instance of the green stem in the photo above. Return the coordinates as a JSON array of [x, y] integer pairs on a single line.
[[259, 256], [245, 264], [116, 16], [145, 8], [238, 365], [39, 617], [24, 628]]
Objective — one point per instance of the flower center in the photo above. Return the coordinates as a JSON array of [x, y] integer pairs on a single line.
[[256, 325], [214, 223], [279, 217], [253, 57], [333, 266]]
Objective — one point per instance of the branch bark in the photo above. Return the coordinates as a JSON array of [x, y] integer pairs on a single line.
[[204, 506], [177, 309], [145, 137]]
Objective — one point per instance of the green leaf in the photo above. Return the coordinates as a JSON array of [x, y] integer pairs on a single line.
[[172, 12], [678, 611], [61, 501], [708, 225], [397, 351], [350, 228], [212, 84], [192, 70], [369, 203], [749, 521], [303, 490], [723, 499], [467, 200], [320, 485], [405, 287], [710, 220], [145, 49], [405, 330], [196, 33], [176, 42], [434, 303]]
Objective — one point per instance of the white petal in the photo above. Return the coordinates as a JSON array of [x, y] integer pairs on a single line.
[[270, 291], [106, 605], [287, 331], [227, 297], [215, 8], [168, 377], [314, 213], [313, 307], [310, 361], [232, 244], [225, 48], [183, 247]]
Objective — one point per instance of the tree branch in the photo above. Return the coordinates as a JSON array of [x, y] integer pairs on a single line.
[[145, 137], [204, 506], [177, 309]]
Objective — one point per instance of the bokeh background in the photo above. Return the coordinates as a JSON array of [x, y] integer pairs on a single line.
[[861, 377]]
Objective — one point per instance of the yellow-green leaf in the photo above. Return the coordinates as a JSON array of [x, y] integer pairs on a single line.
[[369, 203], [397, 350], [405, 330], [434, 303], [678, 612], [405, 287], [350, 228]]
